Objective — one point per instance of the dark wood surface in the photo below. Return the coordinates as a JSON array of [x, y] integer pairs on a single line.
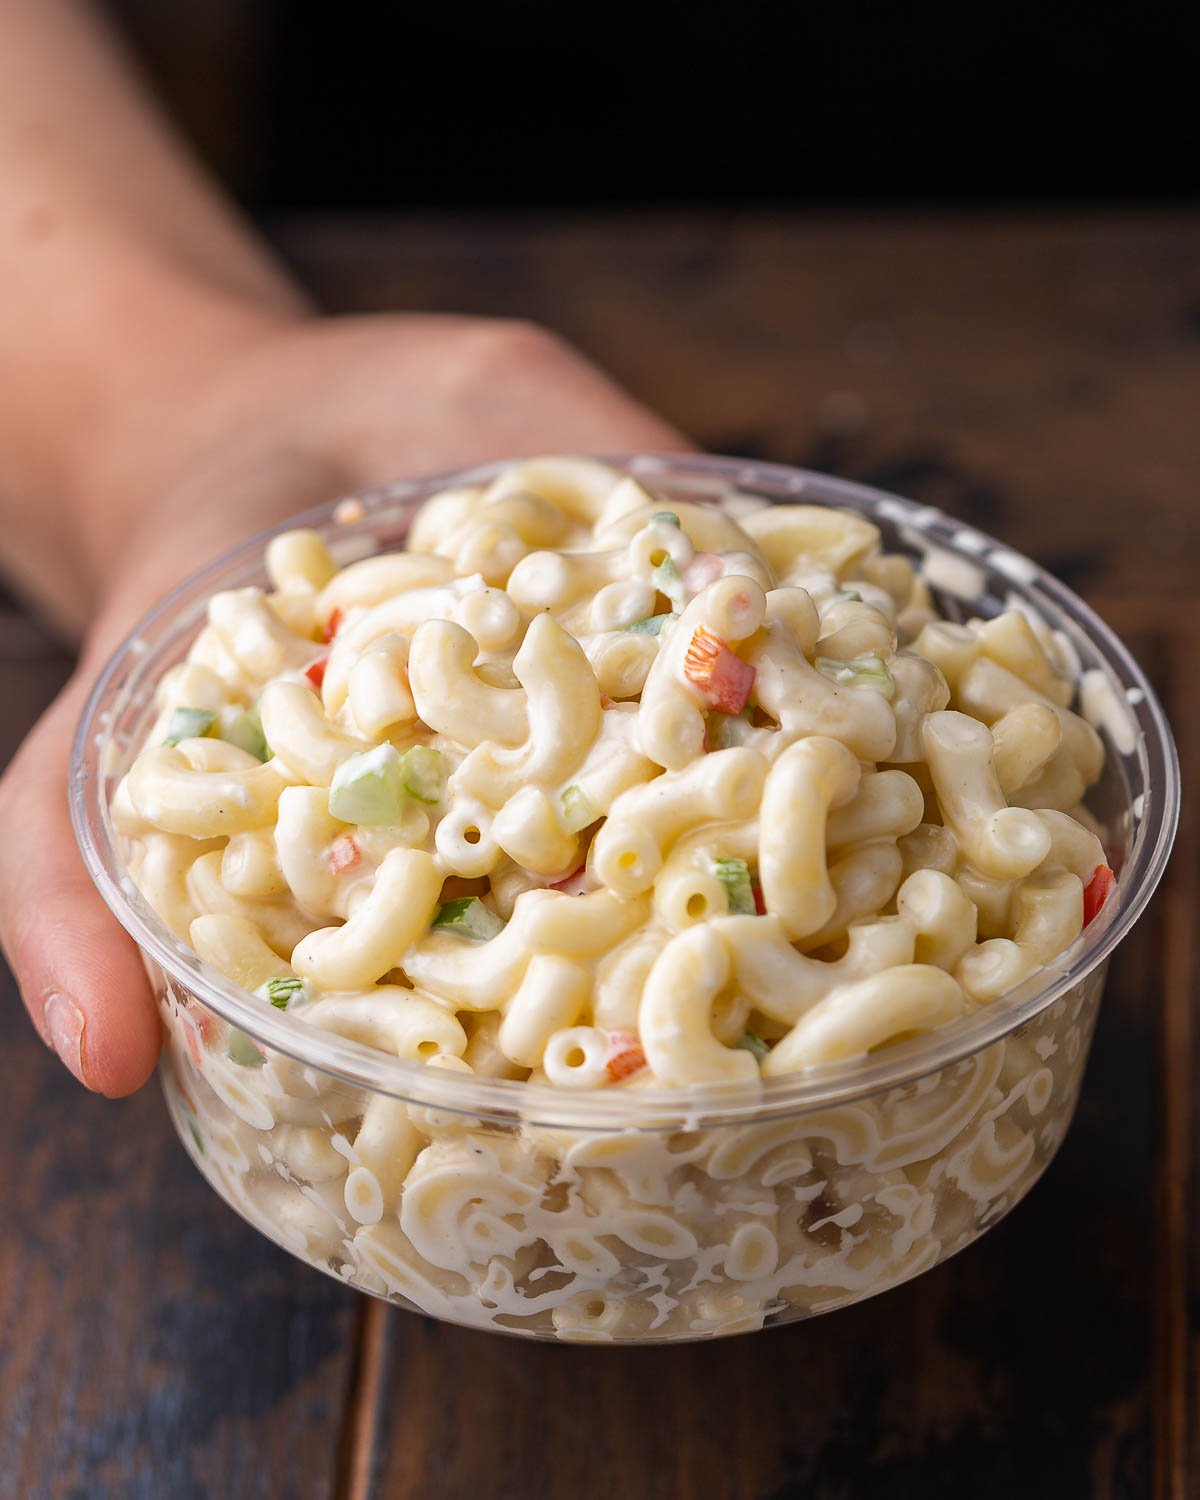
[[1038, 377]]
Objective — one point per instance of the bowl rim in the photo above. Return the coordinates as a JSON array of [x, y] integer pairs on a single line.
[[894, 1067]]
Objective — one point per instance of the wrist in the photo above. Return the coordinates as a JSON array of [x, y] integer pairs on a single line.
[[112, 375], [150, 405]]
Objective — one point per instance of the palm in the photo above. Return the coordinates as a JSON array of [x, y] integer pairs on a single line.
[[319, 409]]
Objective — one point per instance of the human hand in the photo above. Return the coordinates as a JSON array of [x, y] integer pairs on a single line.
[[308, 410]]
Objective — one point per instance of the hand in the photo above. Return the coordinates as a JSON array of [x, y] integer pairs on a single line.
[[312, 409]]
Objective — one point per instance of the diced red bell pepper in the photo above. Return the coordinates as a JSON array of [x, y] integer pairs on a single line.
[[196, 1026], [760, 904], [344, 854], [625, 1056], [1095, 893], [704, 568], [315, 671], [723, 678], [332, 626]]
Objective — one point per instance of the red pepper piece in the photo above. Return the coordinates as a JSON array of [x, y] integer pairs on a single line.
[[723, 678], [573, 884], [1095, 893], [625, 1056], [344, 854]]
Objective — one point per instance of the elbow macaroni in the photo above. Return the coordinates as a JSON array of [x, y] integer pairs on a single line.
[[632, 865]]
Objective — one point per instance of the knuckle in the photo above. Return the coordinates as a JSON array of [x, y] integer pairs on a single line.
[[515, 345]]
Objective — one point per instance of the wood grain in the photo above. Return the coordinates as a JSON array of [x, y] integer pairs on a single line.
[[1175, 1371], [151, 1345], [1034, 376], [1021, 1367]]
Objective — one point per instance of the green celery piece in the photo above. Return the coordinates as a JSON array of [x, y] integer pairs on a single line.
[[467, 917], [863, 671], [423, 773], [243, 727], [243, 1051], [726, 730], [281, 991], [751, 1043], [851, 594], [189, 724], [667, 581], [668, 518], [577, 811], [734, 875], [368, 789], [652, 625]]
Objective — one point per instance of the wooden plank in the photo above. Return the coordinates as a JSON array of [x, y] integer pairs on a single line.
[[1021, 1367], [1031, 377], [151, 1343], [1177, 1472]]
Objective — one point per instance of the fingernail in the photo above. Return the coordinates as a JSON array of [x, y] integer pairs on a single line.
[[63, 1023]]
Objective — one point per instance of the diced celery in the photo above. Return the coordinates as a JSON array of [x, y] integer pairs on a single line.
[[667, 581], [369, 788], [423, 773], [189, 724], [851, 594], [196, 1137], [242, 727], [751, 1043], [652, 625], [734, 875], [467, 917], [668, 518], [577, 811], [281, 991], [726, 730], [243, 1051], [863, 671]]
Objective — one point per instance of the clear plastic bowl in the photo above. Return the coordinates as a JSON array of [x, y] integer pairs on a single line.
[[645, 1216]]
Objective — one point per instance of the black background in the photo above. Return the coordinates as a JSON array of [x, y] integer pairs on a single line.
[[304, 106]]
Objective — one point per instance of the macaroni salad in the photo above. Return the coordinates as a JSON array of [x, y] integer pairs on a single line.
[[601, 790]]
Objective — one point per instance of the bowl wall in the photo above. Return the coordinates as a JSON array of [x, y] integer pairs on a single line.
[[637, 1215], [633, 1235]]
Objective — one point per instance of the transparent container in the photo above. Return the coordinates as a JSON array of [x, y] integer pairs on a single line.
[[656, 1215]]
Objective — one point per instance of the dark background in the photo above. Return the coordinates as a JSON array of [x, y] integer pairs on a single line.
[[306, 106]]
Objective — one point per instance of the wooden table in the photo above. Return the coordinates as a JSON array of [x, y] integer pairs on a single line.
[[1036, 376]]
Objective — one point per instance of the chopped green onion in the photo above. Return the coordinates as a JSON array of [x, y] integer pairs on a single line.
[[668, 518], [189, 724], [369, 788], [577, 811], [723, 731], [734, 875], [243, 1051], [751, 1043], [423, 773], [863, 671], [196, 1137], [667, 581], [281, 991], [652, 625], [468, 918], [243, 727]]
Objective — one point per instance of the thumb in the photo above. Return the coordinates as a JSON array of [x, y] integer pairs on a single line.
[[80, 975]]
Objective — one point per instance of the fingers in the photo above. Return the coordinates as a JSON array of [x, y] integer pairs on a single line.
[[80, 975]]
